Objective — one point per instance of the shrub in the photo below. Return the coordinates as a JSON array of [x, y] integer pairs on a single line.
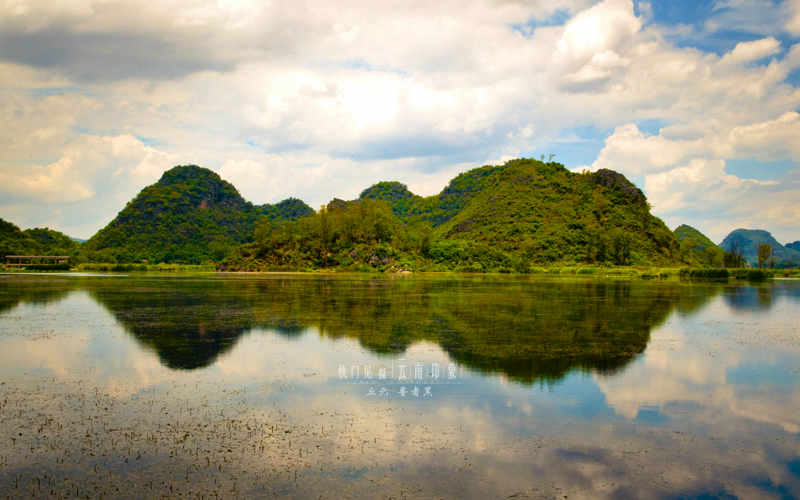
[[47, 267], [707, 272], [751, 274], [470, 268]]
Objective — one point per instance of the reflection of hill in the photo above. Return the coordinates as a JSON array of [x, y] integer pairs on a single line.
[[188, 324], [527, 328], [542, 331], [696, 295], [748, 297], [15, 290]]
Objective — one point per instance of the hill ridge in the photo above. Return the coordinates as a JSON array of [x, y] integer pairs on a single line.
[[189, 215]]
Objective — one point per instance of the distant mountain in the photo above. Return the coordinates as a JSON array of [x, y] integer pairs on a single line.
[[701, 247], [749, 241], [37, 241], [793, 246], [190, 215]]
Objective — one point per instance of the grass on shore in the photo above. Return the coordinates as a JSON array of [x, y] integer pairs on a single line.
[[626, 271]]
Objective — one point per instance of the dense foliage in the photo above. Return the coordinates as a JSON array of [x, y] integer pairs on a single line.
[[501, 219], [490, 325], [749, 241], [438, 209], [190, 215], [545, 214], [37, 241], [697, 249]]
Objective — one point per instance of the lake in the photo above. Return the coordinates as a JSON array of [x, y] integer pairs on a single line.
[[418, 386]]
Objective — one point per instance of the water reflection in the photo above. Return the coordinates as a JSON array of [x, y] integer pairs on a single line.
[[528, 330], [661, 392], [188, 323], [750, 298]]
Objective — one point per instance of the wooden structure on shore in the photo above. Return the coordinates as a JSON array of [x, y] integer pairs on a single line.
[[20, 261]]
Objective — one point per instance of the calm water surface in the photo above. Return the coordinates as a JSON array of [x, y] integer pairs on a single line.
[[298, 386]]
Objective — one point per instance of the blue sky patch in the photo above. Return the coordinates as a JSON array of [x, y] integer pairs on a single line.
[[755, 374], [760, 170], [557, 18]]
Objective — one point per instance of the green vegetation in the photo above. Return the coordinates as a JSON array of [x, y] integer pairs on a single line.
[[38, 241], [114, 267], [741, 273], [189, 216], [765, 258], [511, 218], [526, 216], [491, 324], [749, 241], [545, 214], [697, 249], [47, 267]]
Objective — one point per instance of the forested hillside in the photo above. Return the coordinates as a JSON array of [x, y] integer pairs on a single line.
[[493, 218], [696, 248], [190, 215], [546, 214], [37, 241]]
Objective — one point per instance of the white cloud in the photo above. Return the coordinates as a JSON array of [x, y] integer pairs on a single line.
[[685, 178], [95, 175], [770, 140], [319, 100], [588, 48], [752, 51], [793, 22]]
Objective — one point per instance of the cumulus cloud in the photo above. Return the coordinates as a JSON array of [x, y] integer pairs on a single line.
[[316, 100], [793, 23], [684, 172], [752, 51], [588, 48], [94, 179]]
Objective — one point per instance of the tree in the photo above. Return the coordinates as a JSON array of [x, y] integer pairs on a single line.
[[764, 254], [686, 248], [621, 242], [710, 256], [325, 233], [425, 238], [734, 257], [597, 246], [263, 234], [219, 249]]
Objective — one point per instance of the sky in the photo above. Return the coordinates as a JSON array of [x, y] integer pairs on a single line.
[[695, 101]]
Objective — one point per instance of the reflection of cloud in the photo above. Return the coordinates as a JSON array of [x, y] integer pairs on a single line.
[[99, 353], [690, 360], [483, 440]]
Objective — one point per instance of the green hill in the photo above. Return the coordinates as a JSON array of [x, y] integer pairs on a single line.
[[37, 241], [437, 209], [547, 214], [697, 248], [190, 215], [493, 218], [793, 246], [750, 239]]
